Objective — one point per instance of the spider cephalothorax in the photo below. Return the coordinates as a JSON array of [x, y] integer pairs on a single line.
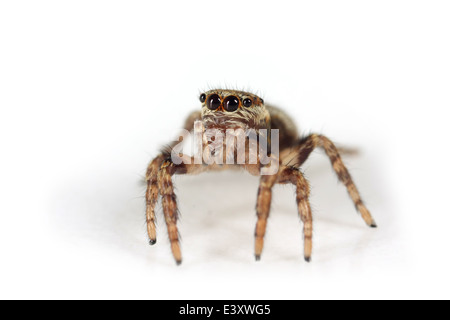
[[225, 110], [231, 109]]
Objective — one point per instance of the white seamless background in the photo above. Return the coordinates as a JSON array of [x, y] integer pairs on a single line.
[[90, 90]]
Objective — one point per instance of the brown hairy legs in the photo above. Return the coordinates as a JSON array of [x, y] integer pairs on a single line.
[[285, 175], [313, 141]]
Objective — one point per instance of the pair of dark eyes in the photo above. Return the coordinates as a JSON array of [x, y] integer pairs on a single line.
[[230, 103]]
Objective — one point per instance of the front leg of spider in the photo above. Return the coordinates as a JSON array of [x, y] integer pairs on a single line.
[[263, 202], [151, 196], [169, 205], [294, 176], [169, 199], [151, 176]]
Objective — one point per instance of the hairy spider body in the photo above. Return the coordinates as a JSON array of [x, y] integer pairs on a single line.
[[224, 110]]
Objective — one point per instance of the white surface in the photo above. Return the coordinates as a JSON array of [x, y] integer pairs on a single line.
[[89, 90]]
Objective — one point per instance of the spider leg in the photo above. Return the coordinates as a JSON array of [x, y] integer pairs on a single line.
[[308, 144], [169, 204], [151, 176], [263, 202], [151, 196], [169, 199], [295, 176]]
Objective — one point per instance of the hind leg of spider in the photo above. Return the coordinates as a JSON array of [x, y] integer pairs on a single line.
[[308, 144], [293, 175], [262, 211]]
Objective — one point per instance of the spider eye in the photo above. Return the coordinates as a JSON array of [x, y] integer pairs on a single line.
[[202, 97], [231, 103], [247, 102], [213, 102]]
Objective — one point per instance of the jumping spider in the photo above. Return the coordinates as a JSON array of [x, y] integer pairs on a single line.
[[230, 109]]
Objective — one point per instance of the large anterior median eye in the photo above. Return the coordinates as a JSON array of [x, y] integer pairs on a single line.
[[231, 103], [213, 102]]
